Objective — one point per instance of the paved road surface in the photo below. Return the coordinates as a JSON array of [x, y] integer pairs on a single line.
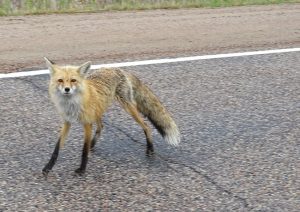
[[240, 125]]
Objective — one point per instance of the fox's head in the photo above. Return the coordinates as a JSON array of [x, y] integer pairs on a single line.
[[67, 80]]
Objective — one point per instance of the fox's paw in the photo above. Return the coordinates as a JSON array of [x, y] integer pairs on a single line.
[[80, 171], [150, 152], [45, 172]]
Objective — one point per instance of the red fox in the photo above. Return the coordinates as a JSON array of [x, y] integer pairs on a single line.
[[83, 95]]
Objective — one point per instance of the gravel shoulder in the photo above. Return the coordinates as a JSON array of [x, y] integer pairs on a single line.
[[122, 36]]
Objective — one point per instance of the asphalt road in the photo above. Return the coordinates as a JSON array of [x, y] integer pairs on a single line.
[[240, 125]]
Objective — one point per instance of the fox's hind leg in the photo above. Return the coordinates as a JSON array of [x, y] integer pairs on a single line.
[[63, 135], [97, 134], [132, 110]]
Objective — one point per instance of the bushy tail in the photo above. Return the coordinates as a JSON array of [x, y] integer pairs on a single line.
[[150, 106]]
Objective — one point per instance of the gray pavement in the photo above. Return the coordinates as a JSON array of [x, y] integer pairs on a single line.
[[240, 150]]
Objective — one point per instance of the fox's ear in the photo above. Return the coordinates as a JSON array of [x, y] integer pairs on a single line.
[[84, 68], [49, 64]]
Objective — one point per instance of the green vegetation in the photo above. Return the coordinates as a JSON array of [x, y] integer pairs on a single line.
[[23, 7]]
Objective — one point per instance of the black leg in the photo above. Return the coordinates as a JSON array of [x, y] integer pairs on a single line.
[[52, 160], [97, 134], [150, 149], [94, 141], [84, 159], [86, 148]]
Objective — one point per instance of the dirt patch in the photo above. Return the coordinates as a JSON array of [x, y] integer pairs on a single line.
[[126, 36]]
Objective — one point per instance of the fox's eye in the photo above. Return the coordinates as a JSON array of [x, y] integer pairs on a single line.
[[60, 80], [73, 80]]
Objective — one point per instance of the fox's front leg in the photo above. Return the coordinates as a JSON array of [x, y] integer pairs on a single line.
[[63, 135], [86, 148]]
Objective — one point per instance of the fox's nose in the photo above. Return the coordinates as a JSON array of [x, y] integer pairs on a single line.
[[67, 90]]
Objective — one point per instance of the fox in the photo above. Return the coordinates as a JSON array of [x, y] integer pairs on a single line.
[[83, 95]]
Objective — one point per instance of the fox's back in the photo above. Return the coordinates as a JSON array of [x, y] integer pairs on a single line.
[[112, 82], [104, 80]]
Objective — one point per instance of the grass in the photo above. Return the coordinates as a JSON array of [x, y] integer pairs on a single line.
[[25, 7]]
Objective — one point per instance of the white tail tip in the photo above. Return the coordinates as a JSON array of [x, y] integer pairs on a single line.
[[172, 136]]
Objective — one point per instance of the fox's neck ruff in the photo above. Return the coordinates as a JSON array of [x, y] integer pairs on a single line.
[[69, 106]]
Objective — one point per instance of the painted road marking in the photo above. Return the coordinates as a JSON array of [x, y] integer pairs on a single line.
[[160, 61]]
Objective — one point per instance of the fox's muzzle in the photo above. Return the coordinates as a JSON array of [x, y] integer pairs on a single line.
[[66, 90]]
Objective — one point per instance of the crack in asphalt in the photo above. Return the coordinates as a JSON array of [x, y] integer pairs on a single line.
[[35, 86], [208, 178], [167, 161], [205, 176]]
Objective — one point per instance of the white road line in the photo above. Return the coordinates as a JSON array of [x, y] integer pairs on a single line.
[[159, 61]]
